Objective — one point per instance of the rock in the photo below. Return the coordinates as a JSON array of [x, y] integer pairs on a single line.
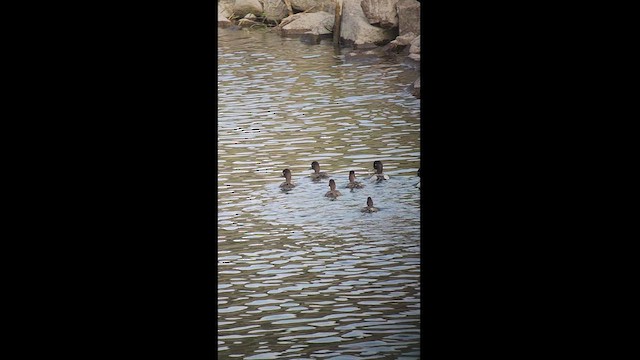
[[316, 23], [415, 88], [275, 10], [381, 13], [223, 22], [415, 46], [400, 43], [391, 48], [247, 23], [406, 39], [408, 16], [225, 7], [310, 6], [356, 30], [413, 56], [244, 7], [413, 61], [314, 39]]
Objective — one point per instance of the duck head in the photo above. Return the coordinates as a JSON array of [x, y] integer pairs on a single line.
[[315, 166], [332, 185], [369, 202], [352, 176], [378, 166], [286, 173]]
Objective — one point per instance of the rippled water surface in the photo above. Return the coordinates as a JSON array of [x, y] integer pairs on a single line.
[[301, 276]]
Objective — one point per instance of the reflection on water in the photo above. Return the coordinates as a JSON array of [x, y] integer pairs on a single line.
[[300, 276]]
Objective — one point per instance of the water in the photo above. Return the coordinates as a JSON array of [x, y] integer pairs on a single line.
[[301, 276]]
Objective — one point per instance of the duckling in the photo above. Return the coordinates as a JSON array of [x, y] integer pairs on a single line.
[[379, 175], [369, 208], [418, 184], [353, 184], [288, 184], [317, 175], [333, 193]]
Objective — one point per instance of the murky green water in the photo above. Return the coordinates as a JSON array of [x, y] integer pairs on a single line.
[[300, 276]]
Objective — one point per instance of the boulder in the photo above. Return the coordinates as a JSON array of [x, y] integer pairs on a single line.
[[406, 39], [275, 10], [356, 30], [248, 23], [223, 22], [415, 88], [243, 7], [225, 7], [400, 43], [314, 39], [381, 13], [413, 59], [314, 5], [408, 16], [415, 45], [316, 23]]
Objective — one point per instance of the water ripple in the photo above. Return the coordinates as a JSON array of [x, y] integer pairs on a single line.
[[301, 276]]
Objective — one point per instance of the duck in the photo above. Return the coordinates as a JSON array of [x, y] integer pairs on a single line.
[[317, 175], [369, 208], [418, 184], [379, 175], [333, 193], [353, 184], [288, 184]]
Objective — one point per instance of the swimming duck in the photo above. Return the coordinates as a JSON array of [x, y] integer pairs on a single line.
[[369, 208], [379, 175], [353, 184], [333, 193], [317, 175], [288, 184]]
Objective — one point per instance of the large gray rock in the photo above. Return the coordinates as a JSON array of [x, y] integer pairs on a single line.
[[405, 39], [316, 23], [415, 88], [355, 27], [314, 5], [243, 7], [413, 59], [249, 23], [400, 43], [225, 7], [223, 22], [275, 10], [415, 45], [408, 16], [381, 13]]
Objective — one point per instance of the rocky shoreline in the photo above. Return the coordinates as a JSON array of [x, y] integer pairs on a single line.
[[371, 28]]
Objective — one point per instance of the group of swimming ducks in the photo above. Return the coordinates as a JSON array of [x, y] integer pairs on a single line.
[[332, 194]]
